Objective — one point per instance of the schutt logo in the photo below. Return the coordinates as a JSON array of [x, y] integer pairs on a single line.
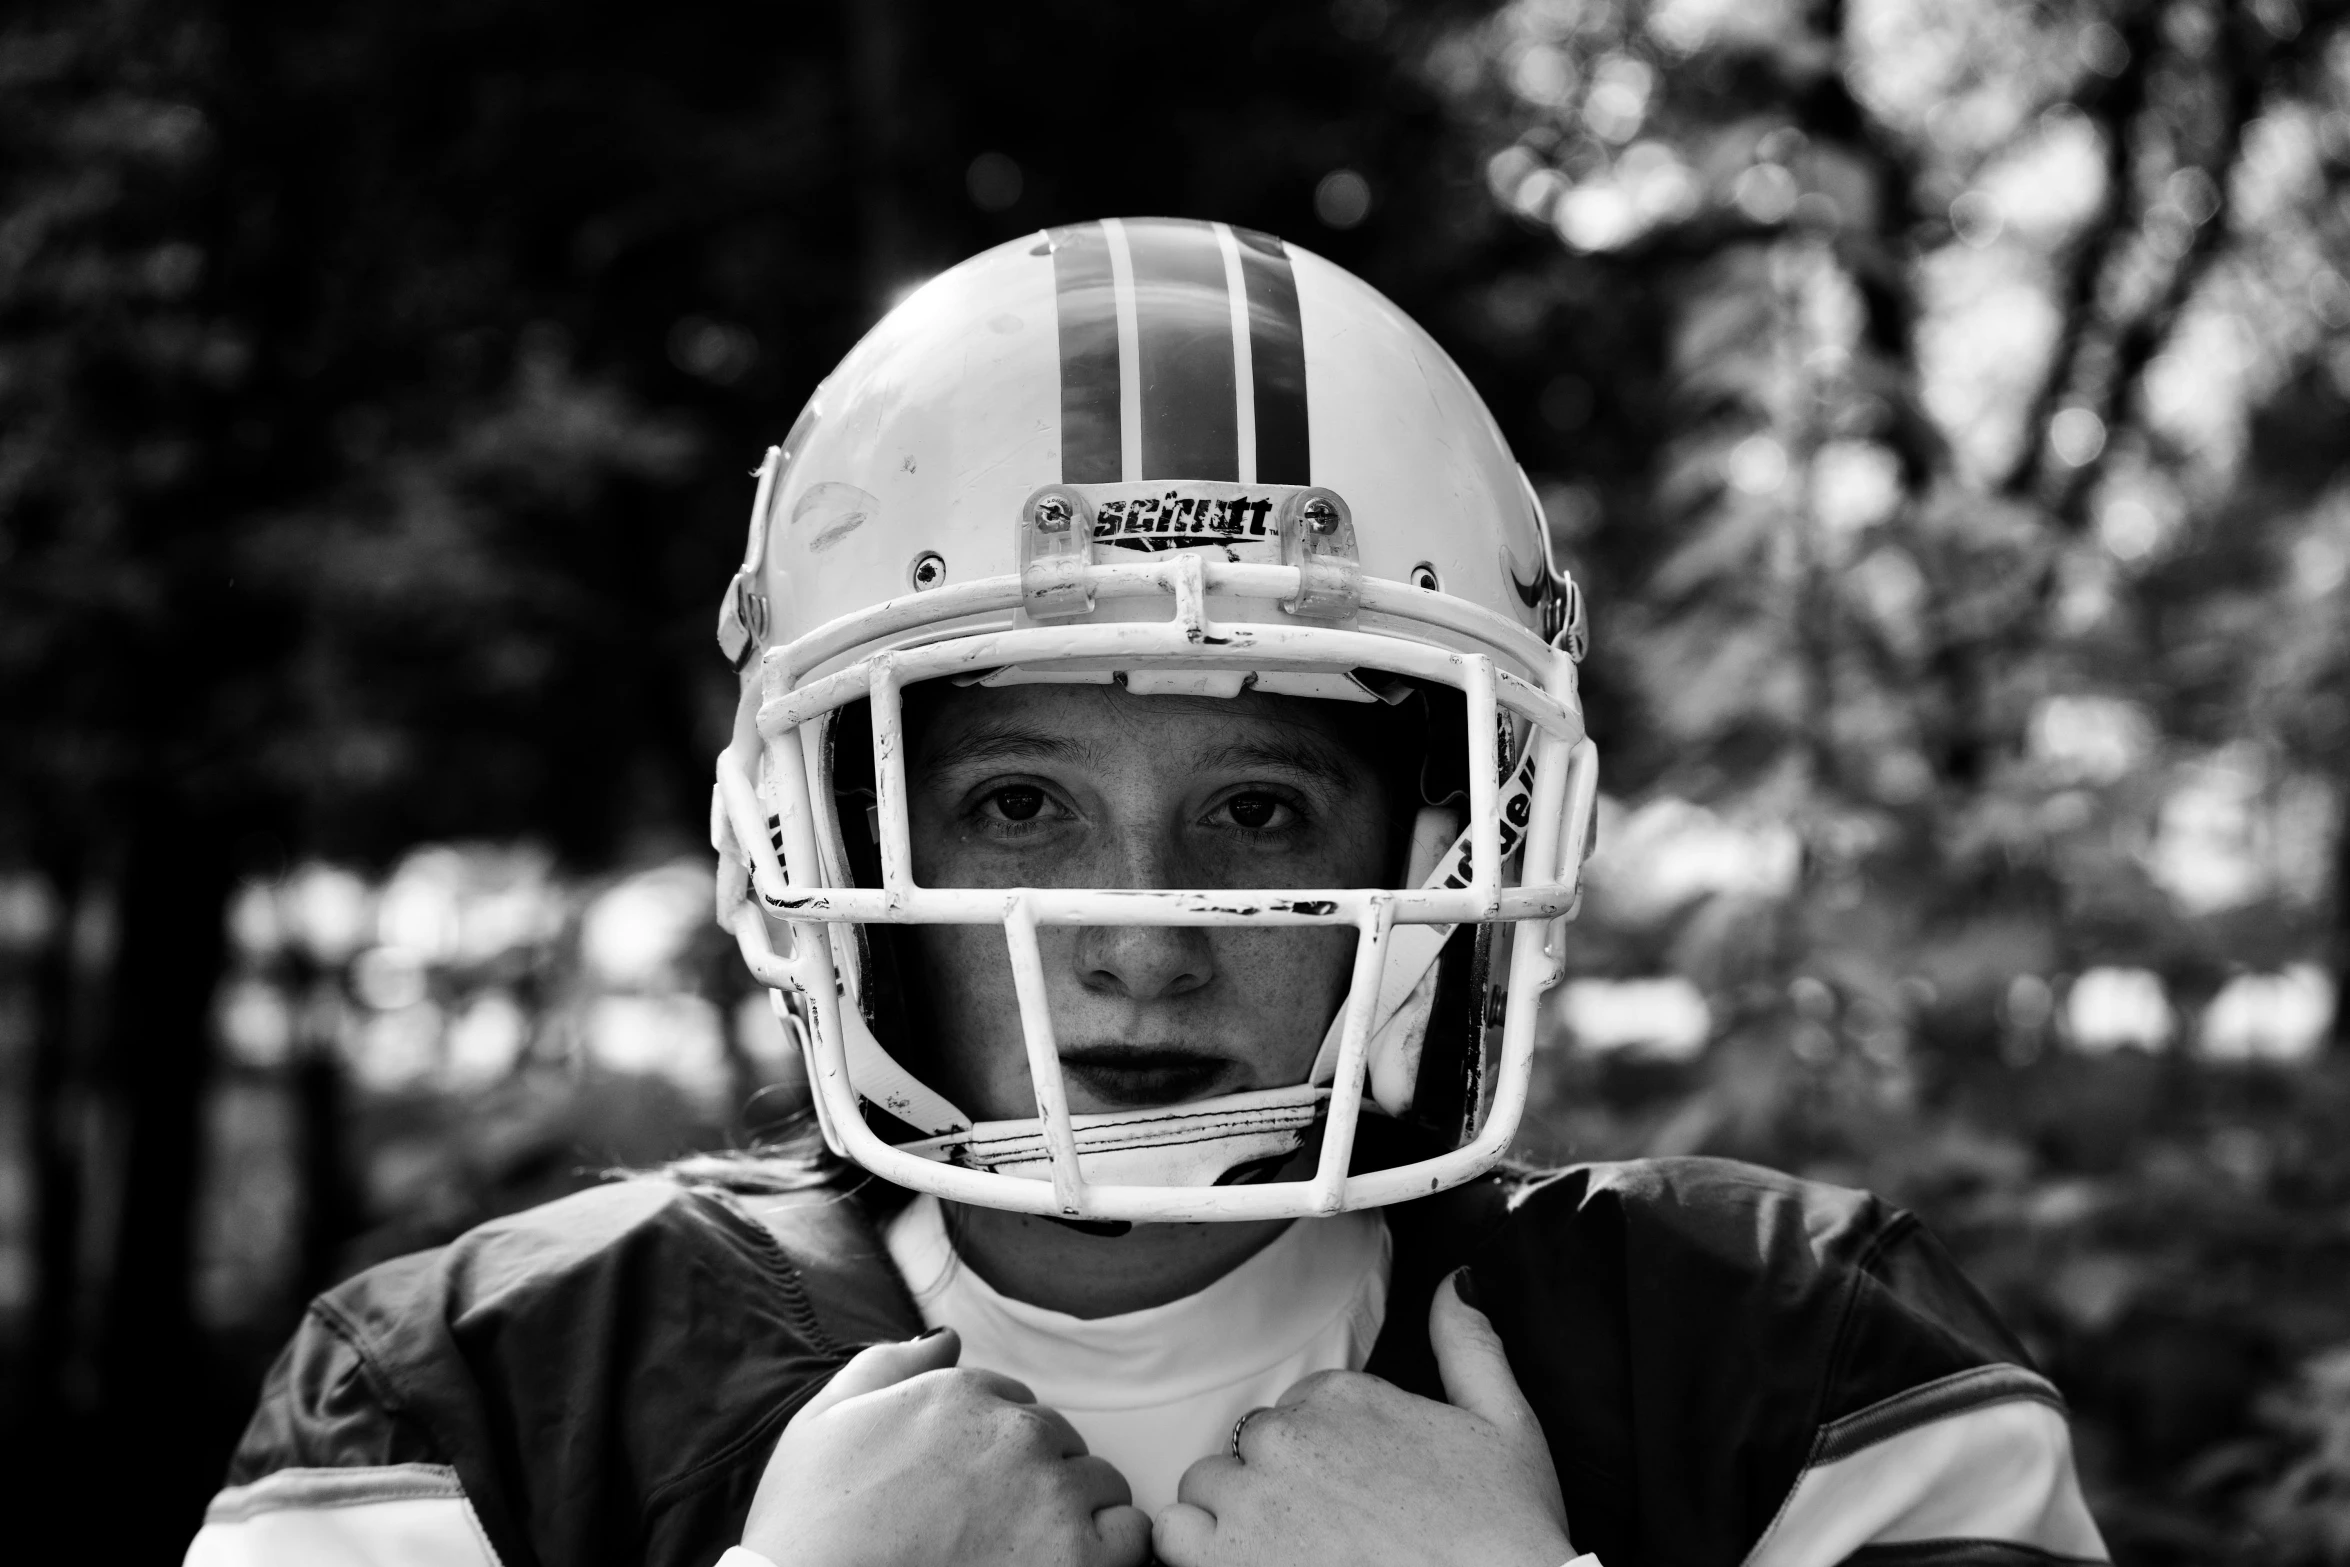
[[1166, 521]]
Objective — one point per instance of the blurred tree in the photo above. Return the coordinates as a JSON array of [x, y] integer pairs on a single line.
[[1944, 404], [1829, 589], [128, 656]]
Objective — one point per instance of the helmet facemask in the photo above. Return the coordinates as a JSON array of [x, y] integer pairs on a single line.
[[1425, 965]]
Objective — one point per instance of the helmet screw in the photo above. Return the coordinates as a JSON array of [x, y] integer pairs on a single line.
[[1319, 515], [1052, 515], [930, 569]]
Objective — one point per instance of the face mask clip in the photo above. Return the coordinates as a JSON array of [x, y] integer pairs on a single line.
[[1318, 537], [1056, 549]]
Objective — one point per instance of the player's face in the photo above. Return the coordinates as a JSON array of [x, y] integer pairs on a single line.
[[1089, 786]]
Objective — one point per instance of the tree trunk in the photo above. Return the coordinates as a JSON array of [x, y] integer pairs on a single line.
[[151, 1364], [329, 1208], [2341, 952], [61, 1025]]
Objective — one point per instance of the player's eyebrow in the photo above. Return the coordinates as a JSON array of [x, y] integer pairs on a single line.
[[987, 743], [1296, 753]]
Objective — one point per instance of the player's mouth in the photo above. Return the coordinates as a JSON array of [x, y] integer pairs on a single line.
[[1123, 1076]]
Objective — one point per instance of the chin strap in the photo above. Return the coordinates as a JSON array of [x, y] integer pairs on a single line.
[[1195, 1144]]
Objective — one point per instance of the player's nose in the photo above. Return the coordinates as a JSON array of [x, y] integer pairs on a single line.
[[1143, 962]]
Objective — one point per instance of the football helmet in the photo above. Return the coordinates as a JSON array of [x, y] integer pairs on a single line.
[[1185, 457]]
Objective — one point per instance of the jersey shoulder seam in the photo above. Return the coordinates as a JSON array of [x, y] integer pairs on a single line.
[[777, 1260], [335, 1320], [1898, 1224]]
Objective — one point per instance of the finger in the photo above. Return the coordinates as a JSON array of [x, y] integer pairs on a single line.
[[1236, 1445], [1474, 1366], [1307, 1386], [996, 1385], [885, 1365], [1125, 1535], [1183, 1535], [1207, 1483], [1059, 1433], [1099, 1482]]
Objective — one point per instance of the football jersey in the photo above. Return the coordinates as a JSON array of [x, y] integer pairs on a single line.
[[1734, 1368]]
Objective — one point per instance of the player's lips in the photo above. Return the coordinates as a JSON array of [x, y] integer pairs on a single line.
[[1134, 1075]]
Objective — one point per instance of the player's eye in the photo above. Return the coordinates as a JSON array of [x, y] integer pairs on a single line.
[[1254, 810], [1258, 812], [1019, 803]]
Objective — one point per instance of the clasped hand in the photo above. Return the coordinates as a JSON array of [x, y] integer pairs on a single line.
[[904, 1459]]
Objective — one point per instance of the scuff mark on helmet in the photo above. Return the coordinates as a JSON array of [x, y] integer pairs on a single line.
[[829, 513]]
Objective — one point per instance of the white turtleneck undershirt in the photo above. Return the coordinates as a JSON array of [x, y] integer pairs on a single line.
[[1153, 1391]]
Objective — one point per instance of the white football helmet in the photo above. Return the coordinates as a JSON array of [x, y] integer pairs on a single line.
[[1188, 458]]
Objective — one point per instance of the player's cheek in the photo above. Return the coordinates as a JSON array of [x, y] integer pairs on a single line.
[[972, 1016], [958, 842], [1285, 983]]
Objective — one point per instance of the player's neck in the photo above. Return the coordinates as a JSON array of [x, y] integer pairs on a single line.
[[1062, 1269]]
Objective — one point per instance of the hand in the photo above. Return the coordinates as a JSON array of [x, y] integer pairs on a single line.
[[902, 1459], [1352, 1470]]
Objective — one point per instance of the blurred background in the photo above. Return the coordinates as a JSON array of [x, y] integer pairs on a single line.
[[1946, 404]]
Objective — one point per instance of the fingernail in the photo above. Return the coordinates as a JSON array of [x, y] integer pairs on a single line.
[[1464, 1284], [926, 1333]]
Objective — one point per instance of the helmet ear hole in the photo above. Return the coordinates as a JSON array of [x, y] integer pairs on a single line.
[[1424, 577], [928, 571]]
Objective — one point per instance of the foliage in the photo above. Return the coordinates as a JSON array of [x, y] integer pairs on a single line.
[[1972, 606]]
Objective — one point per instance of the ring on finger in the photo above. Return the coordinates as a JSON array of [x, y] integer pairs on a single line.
[[1241, 1425]]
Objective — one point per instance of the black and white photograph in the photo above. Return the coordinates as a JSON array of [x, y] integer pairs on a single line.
[[1221, 783]]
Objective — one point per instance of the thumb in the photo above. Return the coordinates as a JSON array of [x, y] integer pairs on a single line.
[[1475, 1368], [884, 1365]]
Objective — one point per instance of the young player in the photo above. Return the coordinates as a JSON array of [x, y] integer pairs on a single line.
[[1158, 785]]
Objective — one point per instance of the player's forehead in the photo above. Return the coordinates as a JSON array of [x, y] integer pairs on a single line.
[[962, 728]]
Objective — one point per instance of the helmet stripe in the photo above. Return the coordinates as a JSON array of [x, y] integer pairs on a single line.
[[1129, 352], [1184, 321], [1244, 402], [1087, 307], [1277, 360], [1180, 341]]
